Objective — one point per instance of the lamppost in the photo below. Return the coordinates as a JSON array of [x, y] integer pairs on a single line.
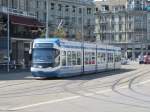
[[47, 19], [82, 35], [8, 37]]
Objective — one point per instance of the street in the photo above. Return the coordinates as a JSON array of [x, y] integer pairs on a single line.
[[124, 90]]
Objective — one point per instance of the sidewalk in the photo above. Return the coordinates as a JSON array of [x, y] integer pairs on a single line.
[[12, 71]]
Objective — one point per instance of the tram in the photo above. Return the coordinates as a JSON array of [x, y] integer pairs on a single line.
[[54, 57]]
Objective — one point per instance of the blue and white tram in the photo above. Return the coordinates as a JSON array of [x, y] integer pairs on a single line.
[[61, 58]]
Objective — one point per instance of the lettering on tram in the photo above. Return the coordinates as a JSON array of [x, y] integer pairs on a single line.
[[61, 58]]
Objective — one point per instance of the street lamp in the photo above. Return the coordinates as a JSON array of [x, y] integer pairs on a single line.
[[8, 37], [82, 35], [47, 18]]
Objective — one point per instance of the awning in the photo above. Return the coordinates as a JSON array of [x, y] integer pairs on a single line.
[[25, 21]]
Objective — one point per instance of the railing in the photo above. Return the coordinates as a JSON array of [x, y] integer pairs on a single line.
[[17, 12]]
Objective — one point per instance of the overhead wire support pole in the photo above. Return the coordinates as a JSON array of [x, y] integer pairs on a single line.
[[47, 19], [82, 34], [8, 38]]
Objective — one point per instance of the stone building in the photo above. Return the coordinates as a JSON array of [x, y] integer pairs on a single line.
[[27, 20], [126, 28], [70, 13]]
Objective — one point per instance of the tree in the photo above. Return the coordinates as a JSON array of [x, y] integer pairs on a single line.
[[78, 36], [60, 33], [42, 32]]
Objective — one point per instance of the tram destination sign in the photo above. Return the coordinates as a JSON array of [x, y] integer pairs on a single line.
[[43, 45]]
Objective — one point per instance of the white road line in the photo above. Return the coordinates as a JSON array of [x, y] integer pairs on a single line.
[[2, 82], [72, 98], [144, 82], [43, 103]]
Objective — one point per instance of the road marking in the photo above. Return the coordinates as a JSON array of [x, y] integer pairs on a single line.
[[72, 98], [2, 82], [43, 103], [144, 82]]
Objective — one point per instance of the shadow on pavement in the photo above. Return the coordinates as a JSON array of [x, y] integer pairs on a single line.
[[16, 75], [96, 75], [26, 75]]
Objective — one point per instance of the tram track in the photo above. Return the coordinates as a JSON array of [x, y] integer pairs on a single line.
[[46, 87], [100, 85], [38, 88], [94, 87], [51, 88], [128, 86]]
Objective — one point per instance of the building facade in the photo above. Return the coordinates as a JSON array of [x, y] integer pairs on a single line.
[[126, 28], [70, 12], [28, 18]]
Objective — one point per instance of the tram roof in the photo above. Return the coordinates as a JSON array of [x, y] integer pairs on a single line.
[[59, 40]]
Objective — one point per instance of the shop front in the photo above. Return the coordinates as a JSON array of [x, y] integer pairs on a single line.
[[22, 32]]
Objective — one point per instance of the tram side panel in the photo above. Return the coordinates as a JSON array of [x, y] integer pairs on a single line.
[[71, 62], [110, 58], [89, 58], [117, 58], [101, 58]]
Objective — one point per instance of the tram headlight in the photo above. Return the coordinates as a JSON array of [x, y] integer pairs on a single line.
[[37, 66], [40, 66]]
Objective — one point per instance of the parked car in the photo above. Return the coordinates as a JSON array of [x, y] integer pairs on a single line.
[[147, 59]]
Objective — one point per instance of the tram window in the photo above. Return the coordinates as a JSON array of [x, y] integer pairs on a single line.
[[64, 58], [116, 58], [93, 58], [111, 57], [99, 58], [102, 57], [69, 58], [78, 58], [90, 57], [73, 58], [108, 57], [86, 55]]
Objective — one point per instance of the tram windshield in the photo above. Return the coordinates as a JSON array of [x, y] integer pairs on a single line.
[[46, 57]]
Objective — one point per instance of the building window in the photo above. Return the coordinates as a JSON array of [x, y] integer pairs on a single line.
[[80, 10], [129, 37], [45, 4], [14, 4], [44, 15], [113, 27], [37, 4], [130, 26], [120, 37], [96, 9], [59, 7], [37, 14], [120, 18], [113, 37], [52, 6], [113, 18], [73, 9], [89, 10], [120, 27], [130, 18], [66, 8], [80, 20]]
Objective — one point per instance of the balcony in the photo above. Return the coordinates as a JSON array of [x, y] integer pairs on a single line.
[[17, 12]]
